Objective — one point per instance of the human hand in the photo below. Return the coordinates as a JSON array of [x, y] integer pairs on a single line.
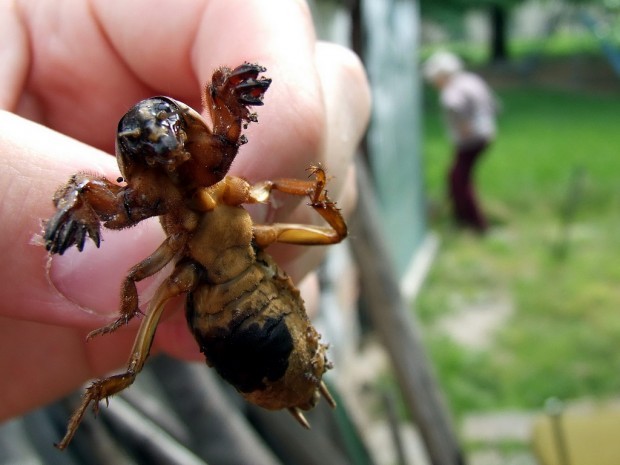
[[75, 68]]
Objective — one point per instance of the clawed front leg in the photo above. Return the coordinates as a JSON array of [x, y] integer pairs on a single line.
[[245, 84], [265, 235], [76, 216], [85, 202], [228, 96]]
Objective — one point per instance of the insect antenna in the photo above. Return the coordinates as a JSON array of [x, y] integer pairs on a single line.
[[325, 393], [299, 417]]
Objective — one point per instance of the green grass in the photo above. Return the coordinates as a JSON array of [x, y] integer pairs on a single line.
[[551, 183], [556, 46]]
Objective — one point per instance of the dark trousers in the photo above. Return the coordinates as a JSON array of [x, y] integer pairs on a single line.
[[462, 193]]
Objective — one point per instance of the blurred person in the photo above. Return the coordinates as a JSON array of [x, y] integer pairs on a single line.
[[470, 109]]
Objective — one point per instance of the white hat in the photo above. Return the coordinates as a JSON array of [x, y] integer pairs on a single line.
[[441, 63]]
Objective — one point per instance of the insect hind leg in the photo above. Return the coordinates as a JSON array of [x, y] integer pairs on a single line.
[[182, 280], [301, 234], [97, 391]]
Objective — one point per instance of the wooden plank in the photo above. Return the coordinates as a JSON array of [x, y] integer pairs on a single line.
[[397, 328]]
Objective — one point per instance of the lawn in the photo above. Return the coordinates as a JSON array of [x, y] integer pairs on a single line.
[[551, 186]]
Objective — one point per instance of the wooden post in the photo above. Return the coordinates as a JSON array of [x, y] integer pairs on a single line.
[[396, 326]]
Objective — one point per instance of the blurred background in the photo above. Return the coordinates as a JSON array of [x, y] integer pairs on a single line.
[[521, 325]]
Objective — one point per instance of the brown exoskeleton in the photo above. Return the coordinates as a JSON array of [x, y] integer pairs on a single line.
[[244, 311]]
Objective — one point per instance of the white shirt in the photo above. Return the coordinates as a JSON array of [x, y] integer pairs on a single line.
[[470, 108]]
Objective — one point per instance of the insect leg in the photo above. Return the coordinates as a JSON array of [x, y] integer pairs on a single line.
[[147, 267], [182, 280], [300, 233], [228, 96], [80, 206]]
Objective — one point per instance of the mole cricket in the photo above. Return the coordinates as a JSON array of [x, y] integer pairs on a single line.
[[244, 311]]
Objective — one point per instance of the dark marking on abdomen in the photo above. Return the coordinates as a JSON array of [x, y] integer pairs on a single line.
[[248, 354]]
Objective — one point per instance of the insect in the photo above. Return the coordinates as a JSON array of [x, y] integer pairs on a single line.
[[244, 311]]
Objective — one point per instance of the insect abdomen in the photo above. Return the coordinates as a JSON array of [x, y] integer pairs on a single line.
[[254, 331]]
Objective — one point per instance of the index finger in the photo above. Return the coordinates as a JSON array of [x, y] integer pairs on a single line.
[[277, 34]]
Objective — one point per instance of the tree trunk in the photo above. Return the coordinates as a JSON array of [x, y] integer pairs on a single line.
[[499, 32]]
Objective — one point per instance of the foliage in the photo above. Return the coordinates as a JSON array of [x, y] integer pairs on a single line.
[[430, 7], [557, 46]]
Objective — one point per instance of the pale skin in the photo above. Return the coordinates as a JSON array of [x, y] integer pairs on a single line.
[[317, 112]]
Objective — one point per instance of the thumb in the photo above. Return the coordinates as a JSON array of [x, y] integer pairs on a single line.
[[36, 160]]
